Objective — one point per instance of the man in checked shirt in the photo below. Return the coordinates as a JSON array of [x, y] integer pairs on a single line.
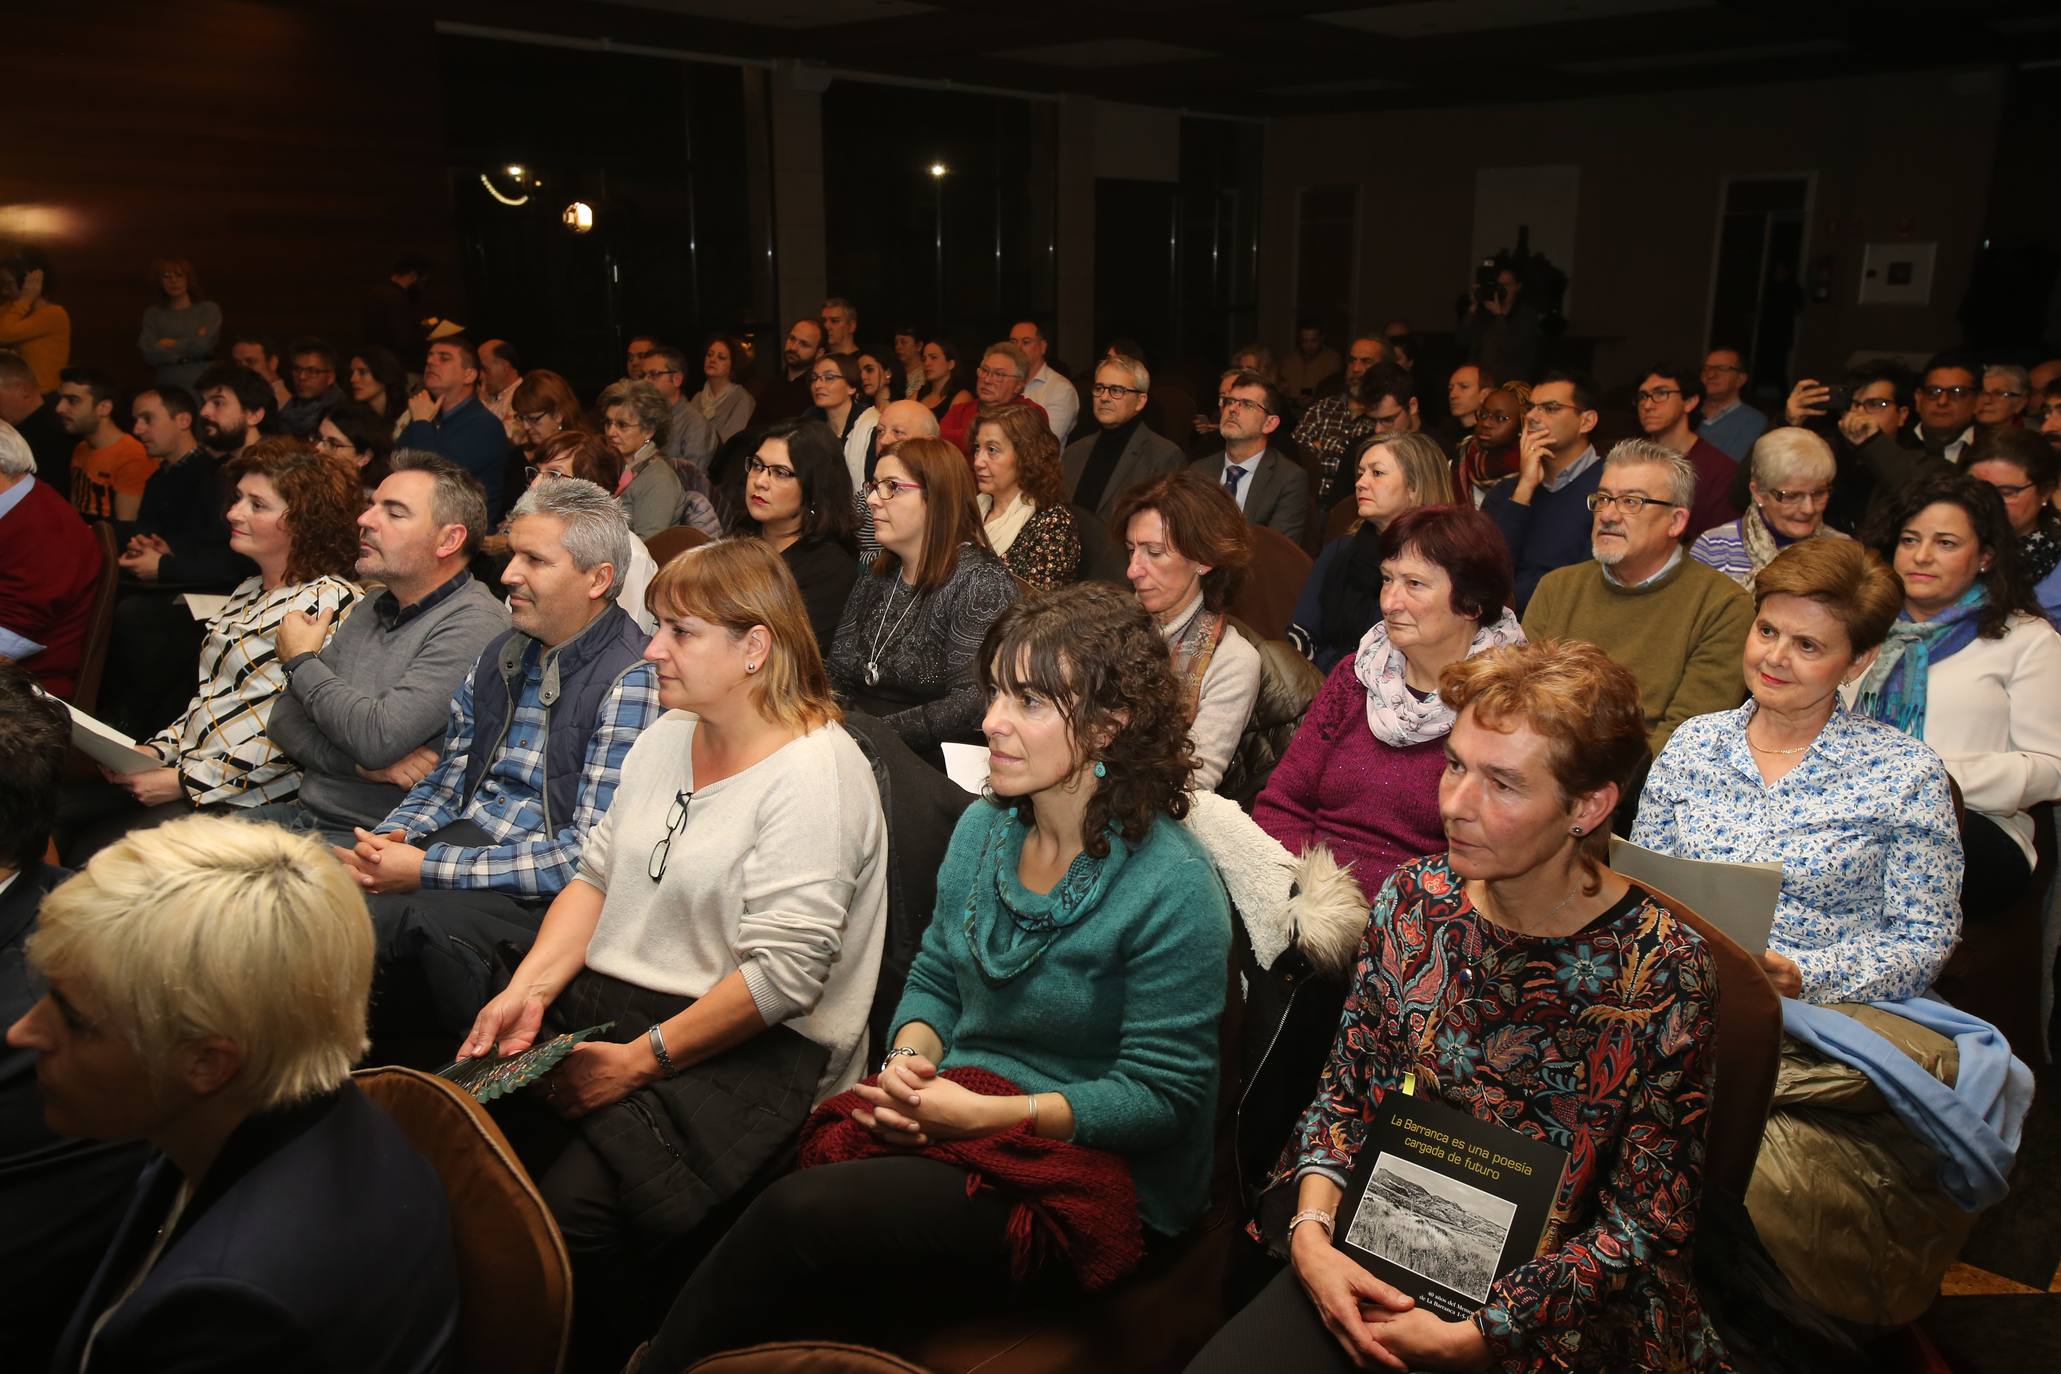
[[477, 849]]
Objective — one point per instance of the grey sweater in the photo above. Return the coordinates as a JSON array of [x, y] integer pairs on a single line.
[[373, 694]]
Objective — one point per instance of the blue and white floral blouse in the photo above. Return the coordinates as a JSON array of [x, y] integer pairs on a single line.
[[1863, 828]]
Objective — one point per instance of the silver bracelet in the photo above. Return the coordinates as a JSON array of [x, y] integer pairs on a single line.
[[657, 1036], [895, 1054], [1322, 1218]]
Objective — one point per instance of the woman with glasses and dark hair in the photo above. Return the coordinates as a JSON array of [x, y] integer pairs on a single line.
[[905, 645], [377, 379], [1971, 667], [798, 498], [543, 405], [1790, 484], [727, 915], [724, 400], [183, 329], [942, 386], [839, 403], [359, 435], [2025, 469]]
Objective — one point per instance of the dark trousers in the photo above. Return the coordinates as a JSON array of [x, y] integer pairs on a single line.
[[1996, 874], [92, 814], [1279, 1329], [152, 655], [831, 1251]]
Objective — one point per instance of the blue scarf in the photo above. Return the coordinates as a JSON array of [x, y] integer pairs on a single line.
[[1893, 692]]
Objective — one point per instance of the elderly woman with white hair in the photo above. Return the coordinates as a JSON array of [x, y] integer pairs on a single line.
[[205, 989], [656, 492], [1791, 485]]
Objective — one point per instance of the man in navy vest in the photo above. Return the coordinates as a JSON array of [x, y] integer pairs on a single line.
[[476, 851]]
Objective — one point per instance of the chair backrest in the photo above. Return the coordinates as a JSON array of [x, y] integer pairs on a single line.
[[1102, 557], [1749, 1051], [669, 544], [1340, 518], [1265, 600], [100, 628], [515, 1278], [803, 1357]]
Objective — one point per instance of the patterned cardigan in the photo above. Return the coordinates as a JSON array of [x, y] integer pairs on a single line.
[[1598, 1042]]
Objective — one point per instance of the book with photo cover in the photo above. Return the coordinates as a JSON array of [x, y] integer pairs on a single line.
[[492, 1075], [1443, 1204]]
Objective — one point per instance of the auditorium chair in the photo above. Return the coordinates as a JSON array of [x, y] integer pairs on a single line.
[[1338, 520], [1265, 598], [1288, 684], [669, 544], [100, 628], [2003, 968], [1102, 557], [514, 1276]]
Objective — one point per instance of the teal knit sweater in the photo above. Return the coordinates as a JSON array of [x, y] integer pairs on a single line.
[[1114, 1003]]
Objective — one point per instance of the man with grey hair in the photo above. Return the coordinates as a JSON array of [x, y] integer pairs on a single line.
[[49, 566], [689, 437], [364, 716], [534, 747], [1101, 468], [1677, 624], [840, 320], [998, 381]]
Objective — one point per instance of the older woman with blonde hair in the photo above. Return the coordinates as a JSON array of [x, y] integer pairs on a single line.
[[1791, 485], [205, 990], [1497, 978], [1022, 496], [1341, 598]]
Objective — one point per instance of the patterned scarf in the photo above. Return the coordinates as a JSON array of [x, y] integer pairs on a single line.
[[1893, 692], [1395, 714], [2040, 552]]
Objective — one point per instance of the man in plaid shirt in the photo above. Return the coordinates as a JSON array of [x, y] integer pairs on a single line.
[[476, 851]]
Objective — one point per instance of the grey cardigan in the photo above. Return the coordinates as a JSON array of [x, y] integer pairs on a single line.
[[654, 497]]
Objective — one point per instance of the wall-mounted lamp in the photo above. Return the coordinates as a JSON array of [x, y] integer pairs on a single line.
[[579, 217]]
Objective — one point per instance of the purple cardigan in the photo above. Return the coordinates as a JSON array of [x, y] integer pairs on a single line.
[[1375, 806]]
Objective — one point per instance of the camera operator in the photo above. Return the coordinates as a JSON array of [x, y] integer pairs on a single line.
[[1863, 419], [1500, 330]]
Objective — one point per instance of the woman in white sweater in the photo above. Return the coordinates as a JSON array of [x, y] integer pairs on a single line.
[[1972, 668], [727, 916]]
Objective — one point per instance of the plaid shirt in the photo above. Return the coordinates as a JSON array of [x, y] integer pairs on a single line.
[[220, 746], [508, 804], [1329, 430]]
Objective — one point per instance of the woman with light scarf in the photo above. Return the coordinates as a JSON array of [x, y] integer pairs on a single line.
[[1361, 777], [1972, 668], [1791, 487]]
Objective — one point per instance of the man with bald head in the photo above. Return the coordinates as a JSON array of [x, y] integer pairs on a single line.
[[899, 420]]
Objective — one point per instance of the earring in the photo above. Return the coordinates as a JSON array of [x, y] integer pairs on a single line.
[[751, 667], [1101, 770], [1577, 830]]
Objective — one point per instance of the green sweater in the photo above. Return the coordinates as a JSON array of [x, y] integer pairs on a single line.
[[1116, 1008], [1683, 635]]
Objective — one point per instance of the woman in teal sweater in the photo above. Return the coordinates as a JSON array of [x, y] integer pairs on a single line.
[[1074, 970]]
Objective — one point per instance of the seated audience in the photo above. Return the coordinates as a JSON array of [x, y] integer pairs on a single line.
[[901, 420], [49, 570], [1667, 399], [447, 418], [22, 406], [1505, 945], [1464, 390], [543, 405], [1186, 550], [1046, 387], [905, 645], [234, 406], [61, 1195], [1016, 469], [577, 453], [1725, 421], [1390, 393], [1342, 596], [1856, 813], [1073, 875], [727, 914], [837, 401], [1124, 452], [908, 351], [1973, 668], [1791, 489], [311, 365], [367, 709], [2006, 392], [724, 400], [1948, 392], [295, 517], [182, 328], [361, 436], [1361, 776], [998, 381], [109, 467], [377, 379], [878, 382], [1675, 623], [782, 392], [1311, 364], [690, 440], [798, 499], [1489, 454], [1268, 488], [1543, 510], [1331, 429], [2050, 414], [943, 389], [205, 993], [840, 321], [500, 372], [2025, 470], [1868, 439], [260, 353], [530, 759], [632, 418]]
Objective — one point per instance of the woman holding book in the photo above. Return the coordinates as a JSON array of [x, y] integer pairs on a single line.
[[1515, 979]]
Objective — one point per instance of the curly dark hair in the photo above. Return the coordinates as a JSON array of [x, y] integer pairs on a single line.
[[323, 500], [2009, 592], [1095, 652], [1029, 437]]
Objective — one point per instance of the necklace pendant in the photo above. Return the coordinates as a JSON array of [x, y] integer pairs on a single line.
[[872, 674]]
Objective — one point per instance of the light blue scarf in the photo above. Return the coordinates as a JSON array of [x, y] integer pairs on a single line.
[[1893, 692]]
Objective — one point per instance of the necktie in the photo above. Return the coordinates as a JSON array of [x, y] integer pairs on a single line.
[[1233, 475]]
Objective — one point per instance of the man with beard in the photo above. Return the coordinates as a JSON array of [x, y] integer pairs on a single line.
[[109, 467], [181, 539], [783, 392], [234, 402], [1677, 624]]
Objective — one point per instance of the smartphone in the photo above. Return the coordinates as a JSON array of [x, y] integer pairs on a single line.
[[1841, 399]]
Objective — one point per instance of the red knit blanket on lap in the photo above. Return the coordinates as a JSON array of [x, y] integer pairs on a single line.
[[1067, 1197]]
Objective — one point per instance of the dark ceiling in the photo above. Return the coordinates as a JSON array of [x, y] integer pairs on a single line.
[[1262, 57]]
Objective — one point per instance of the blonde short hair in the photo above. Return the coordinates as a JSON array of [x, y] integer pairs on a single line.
[[209, 926], [740, 583]]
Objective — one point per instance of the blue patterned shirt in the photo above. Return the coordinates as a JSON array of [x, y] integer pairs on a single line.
[[524, 861], [1863, 828]]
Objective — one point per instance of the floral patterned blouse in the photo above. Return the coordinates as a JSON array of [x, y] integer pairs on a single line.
[[1863, 828], [1046, 551], [1601, 1043]]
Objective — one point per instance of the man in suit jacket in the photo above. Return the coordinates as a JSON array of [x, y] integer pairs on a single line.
[[1124, 452], [1270, 489]]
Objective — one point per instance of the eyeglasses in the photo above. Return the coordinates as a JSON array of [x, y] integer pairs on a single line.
[[1113, 391], [2011, 491], [1242, 403], [886, 488], [534, 417], [1658, 393], [996, 374], [1384, 423], [831, 376], [1631, 503], [2002, 395], [1877, 404], [338, 446], [1548, 408], [1498, 417], [676, 821], [1941, 393], [779, 474], [651, 372], [1816, 497], [531, 472]]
